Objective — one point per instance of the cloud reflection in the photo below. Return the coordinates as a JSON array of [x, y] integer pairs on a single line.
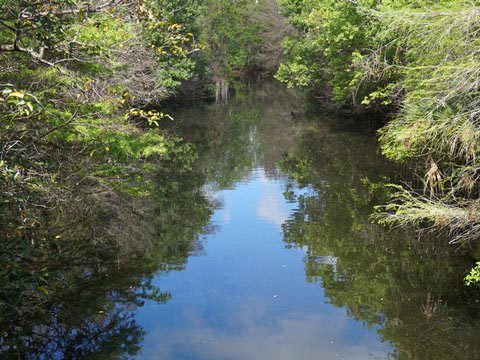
[[256, 336], [271, 206]]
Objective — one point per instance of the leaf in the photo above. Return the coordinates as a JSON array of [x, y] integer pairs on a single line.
[[42, 289], [17, 94]]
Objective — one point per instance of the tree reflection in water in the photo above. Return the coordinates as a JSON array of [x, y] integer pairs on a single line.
[[409, 285], [76, 295]]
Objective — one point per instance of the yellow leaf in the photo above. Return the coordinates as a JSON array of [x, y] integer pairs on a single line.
[[107, 149], [17, 94]]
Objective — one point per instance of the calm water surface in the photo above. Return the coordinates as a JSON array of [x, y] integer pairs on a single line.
[[246, 295], [290, 266], [255, 243]]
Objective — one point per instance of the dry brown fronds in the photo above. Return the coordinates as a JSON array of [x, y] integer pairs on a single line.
[[433, 180]]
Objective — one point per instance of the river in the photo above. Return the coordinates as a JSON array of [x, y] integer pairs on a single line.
[[265, 249], [292, 267]]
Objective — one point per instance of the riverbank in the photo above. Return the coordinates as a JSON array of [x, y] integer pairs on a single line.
[[373, 58]]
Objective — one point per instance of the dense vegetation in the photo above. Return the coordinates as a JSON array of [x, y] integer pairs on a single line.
[[82, 85], [415, 60], [84, 139], [77, 84]]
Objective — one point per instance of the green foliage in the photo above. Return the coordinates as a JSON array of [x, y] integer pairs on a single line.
[[74, 170], [229, 35], [417, 58], [474, 276], [333, 36], [240, 36], [76, 62], [438, 121]]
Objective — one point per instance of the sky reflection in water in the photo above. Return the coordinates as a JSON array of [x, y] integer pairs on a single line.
[[291, 266], [247, 297]]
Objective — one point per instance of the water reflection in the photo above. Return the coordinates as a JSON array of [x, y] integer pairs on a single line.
[[248, 298], [261, 248], [76, 295], [410, 286], [367, 292], [293, 336], [271, 207]]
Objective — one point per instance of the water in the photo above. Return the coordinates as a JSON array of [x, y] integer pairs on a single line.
[[294, 269], [246, 297], [264, 249]]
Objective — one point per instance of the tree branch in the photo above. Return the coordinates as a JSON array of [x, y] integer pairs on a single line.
[[36, 56], [83, 9]]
